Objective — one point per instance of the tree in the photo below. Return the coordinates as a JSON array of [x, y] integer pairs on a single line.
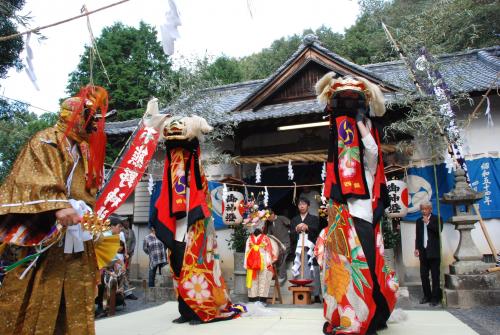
[[225, 70], [10, 49], [441, 26], [17, 125], [136, 66]]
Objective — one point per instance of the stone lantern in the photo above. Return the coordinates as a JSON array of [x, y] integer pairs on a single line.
[[468, 284]]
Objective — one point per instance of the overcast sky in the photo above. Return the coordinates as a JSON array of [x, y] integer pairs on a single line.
[[209, 27]]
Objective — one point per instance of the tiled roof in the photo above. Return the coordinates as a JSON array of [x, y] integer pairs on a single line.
[[468, 71]]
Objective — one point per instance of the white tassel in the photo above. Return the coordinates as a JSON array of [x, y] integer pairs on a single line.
[[290, 170], [151, 184], [28, 268], [323, 172], [257, 174], [266, 197]]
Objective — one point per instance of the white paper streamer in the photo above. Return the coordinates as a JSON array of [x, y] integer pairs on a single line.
[[169, 32], [488, 113], [257, 174], [151, 184], [29, 69], [323, 198], [266, 197], [323, 172], [290, 170]]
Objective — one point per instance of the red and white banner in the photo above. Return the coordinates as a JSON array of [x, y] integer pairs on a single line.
[[128, 174]]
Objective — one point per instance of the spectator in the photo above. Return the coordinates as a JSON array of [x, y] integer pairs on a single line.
[[153, 247], [428, 251], [314, 197], [130, 247], [309, 224], [279, 227]]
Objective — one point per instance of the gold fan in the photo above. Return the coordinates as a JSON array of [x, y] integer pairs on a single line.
[[105, 249]]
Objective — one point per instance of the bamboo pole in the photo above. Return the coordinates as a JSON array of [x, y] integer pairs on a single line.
[[485, 232], [302, 256]]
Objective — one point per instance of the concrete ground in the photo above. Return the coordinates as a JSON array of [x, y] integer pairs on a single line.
[[285, 320], [140, 317]]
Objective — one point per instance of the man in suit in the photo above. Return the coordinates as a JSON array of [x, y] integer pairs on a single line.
[[305, 222], [428, 250]]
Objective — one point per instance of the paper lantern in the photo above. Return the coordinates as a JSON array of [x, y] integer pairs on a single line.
[[232, 208], [398, 195]]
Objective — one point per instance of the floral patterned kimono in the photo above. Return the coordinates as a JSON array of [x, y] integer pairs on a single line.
[[348, 285]]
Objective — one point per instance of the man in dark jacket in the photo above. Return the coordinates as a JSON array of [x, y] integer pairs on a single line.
[[428, 250], [305, 222]]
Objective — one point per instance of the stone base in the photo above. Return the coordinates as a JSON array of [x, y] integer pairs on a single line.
[[472, 290], [240, 283], [159, 294], [472, 298], [469, 267], [487, 281]]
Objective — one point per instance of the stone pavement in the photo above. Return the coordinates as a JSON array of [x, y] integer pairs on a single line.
[[286, 320]]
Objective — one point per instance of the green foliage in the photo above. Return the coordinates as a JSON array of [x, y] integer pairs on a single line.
[[225, 70], [391, 234], [136, 66], [442, 26], [17, 125], [10, 49], [238, 238]]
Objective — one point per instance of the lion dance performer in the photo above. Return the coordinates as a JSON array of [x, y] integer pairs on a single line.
[[183, 222], [58, 171], [360, 290]]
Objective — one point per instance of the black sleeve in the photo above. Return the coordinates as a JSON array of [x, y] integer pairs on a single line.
[[293, 233], [313, 227]]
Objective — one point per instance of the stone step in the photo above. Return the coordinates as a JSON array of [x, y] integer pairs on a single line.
[[472, 298], [473, 282]]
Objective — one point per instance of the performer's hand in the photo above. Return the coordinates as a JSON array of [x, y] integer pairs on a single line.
[[67, 217], [361, 115], [301, 227], [416, 253]]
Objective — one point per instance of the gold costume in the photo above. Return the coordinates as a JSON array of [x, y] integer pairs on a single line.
[[57, 164], [61, 287]]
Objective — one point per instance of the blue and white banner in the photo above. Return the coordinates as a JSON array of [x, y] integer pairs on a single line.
[[484, 174]]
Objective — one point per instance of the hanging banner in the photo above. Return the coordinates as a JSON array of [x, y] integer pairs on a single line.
[[484, 175], [128, 173]]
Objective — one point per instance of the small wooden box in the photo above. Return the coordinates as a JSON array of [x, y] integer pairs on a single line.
[[301, 294]]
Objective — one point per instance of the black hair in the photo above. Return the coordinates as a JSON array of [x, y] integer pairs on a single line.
[[305, 200]]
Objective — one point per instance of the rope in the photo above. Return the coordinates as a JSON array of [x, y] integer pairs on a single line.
[[296, 157], [37, 29]]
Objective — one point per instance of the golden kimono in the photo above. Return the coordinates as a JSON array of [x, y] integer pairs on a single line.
[[58, 164], [60, 289]]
